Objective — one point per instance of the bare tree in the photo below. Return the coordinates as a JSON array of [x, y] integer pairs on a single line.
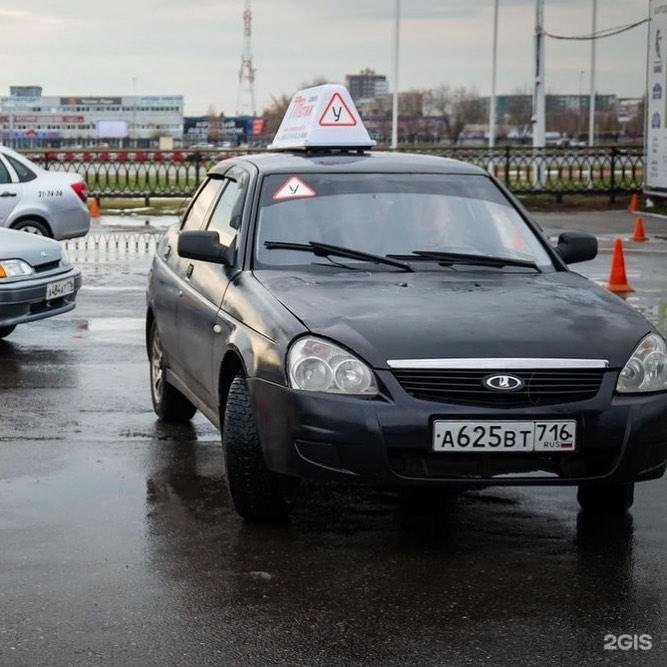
[[273, 114], [457, 107], [635, 126], [520, 111], [214, 128]]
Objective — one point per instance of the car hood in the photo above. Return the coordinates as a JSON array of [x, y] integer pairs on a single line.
[[423, 315], [33, 249]]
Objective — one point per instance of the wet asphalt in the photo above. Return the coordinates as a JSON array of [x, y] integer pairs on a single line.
[[118, 544]]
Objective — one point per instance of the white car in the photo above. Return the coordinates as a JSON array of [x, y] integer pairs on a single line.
[[36, 280], [41, 202]]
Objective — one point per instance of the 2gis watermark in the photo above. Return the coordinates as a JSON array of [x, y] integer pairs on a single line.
[[628, 642]]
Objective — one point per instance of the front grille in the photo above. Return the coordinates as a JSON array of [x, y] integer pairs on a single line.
[[49, 266], [465, 387], [565, 465]]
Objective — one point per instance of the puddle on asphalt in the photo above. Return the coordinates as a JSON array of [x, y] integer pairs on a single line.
[[111, 329]]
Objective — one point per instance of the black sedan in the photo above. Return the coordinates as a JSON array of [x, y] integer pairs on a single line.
[[398, 320]]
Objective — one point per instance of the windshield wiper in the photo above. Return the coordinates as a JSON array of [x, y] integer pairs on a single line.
[[324, 250], [449, 258]]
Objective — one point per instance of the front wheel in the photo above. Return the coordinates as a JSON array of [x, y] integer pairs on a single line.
[[169, 404], [5, 331], [257, 492], [36, 227], [606, 499]]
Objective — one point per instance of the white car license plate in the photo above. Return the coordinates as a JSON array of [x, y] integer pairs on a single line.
[[518, 436], [59, 289]]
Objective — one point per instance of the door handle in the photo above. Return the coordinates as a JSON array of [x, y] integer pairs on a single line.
[[190, 269], [167, 252], [8, 194]]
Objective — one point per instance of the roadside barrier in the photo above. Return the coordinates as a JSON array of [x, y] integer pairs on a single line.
[[111, 245], [618, 280], [557, 171], [639, 235]]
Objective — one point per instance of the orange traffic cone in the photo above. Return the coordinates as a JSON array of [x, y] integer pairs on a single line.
[[618, 280], [94, 208], [639, 235], [634, 203]]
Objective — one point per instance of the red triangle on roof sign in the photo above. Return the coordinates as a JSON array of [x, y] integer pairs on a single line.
[[337, 113], [293, 188]]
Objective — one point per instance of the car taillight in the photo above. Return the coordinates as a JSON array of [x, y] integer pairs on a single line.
[[81, 190]]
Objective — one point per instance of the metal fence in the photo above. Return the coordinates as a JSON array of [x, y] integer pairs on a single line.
[[110, 246], [609, 170]]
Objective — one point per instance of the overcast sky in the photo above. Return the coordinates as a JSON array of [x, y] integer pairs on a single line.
[[193, 47]]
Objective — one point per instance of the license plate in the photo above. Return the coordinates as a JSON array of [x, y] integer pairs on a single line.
[[515, 436], [59, 289]]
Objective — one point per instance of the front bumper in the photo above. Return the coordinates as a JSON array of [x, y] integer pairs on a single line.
[[25, 300], [388, 440]]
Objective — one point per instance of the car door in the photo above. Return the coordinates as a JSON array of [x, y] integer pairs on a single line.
[[169, 280], [199, 326], [10, 191]]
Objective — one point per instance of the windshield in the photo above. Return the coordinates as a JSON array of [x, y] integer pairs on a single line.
[[390, 214]]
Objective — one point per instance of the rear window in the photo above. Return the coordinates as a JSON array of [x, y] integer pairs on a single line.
[[24, 173], [4, 174], [391, 214]]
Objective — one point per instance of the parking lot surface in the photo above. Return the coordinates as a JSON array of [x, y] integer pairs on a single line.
[[118, 543]]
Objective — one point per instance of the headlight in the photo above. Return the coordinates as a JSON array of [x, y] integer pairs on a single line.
[[647, 368], [10, 268], [315, 364], [64, 259]]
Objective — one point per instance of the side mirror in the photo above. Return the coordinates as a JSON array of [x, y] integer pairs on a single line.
[[576, 247], [204, 246]]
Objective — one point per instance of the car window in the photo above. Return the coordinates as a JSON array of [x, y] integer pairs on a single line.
[[21, 170], [226, 216], [196, 215], [387, 214], [4, 174]]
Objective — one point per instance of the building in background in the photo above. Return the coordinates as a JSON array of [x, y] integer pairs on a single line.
[[367, 85], [223, 132], [28, 119]]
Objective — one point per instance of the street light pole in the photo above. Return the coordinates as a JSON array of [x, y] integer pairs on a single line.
[[539, 101], [591, 110], [394, 106], [494, 73]]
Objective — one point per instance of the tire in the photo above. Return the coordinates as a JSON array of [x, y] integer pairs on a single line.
[[36, 227], [257, 492], [5, 331], [169, 404], [606, 500]]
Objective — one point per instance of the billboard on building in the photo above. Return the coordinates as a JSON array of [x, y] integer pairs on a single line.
[[655, 180], [112, 129], [90, 101]]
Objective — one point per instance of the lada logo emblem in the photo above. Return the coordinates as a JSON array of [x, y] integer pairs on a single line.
[[503, 383]]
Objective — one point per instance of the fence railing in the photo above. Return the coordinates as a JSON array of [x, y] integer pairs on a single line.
[[607, 170], [111, 245]]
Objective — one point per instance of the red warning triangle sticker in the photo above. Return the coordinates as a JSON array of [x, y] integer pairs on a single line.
[[337, 113], [293, 188]]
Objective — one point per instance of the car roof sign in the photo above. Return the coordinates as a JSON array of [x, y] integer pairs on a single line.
[[321, 117]]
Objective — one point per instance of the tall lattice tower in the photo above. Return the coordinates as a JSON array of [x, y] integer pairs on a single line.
[[245, 100]]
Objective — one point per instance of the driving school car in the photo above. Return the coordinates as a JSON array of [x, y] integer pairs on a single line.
[[39, 201], [36, 280], [345, 314]]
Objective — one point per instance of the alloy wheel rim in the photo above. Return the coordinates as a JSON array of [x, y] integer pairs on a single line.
[[157, 371], [31, 229]]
